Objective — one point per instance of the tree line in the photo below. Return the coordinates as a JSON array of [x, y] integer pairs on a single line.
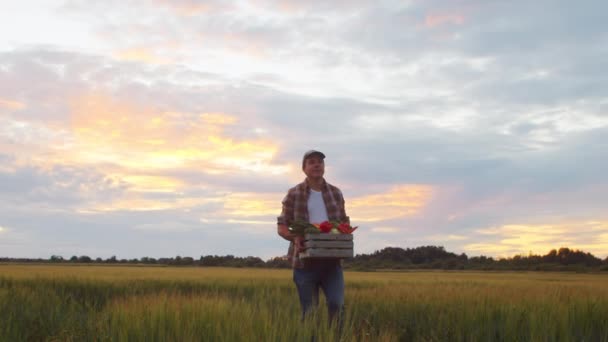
[[424, 257], [436, 257]]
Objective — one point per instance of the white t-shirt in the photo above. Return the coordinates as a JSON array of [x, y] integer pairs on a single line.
[[317, 212]]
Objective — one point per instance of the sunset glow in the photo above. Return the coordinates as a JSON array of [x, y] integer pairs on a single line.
[[399, 201]]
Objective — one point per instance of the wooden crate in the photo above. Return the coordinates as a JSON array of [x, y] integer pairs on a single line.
[[325, 245]]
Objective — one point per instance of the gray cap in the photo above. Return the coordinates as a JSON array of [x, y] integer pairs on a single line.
[[312, 153]]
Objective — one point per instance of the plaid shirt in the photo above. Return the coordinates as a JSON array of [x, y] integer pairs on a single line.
[[295, 206]]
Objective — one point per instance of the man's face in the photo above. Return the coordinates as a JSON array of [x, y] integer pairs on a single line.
[[314, 167]]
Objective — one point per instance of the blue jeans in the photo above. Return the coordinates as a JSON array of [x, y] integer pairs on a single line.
[[326, 275]]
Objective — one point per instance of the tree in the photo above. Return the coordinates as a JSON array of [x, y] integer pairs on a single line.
[[56, 258], [187, 261], [551, 257], [278, 262], [148, 260], [84, 259]]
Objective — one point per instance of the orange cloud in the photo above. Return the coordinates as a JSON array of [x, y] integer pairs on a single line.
[[10, 104], [141, 54], [268, 224], [134, 144], [387, 230], [147, 183], [138, 137], [137, 202], [400, 201], [509, 240], [253, 204]]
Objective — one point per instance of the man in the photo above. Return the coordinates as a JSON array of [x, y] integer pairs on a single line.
[[314, 200]]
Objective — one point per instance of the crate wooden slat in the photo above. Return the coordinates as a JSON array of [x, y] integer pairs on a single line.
[[339, 244], [326, 245], [328, 236], [326, 253]]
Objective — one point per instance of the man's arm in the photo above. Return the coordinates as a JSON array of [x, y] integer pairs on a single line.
[[298, 240], [283, 222], [344, 217], [286, 217]]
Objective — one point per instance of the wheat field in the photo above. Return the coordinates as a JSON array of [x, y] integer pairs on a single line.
[[127, 303]]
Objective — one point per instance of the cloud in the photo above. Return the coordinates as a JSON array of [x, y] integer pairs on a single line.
[[195, 8], [252, 205], [385, 230], [521, 239], [64, 188], [399, 201], [173, 227], [11, 104], [443, 238], [436, 20], [138, 137], [141, 54]]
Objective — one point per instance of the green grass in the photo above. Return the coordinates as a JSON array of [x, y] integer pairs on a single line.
[[119, 303]]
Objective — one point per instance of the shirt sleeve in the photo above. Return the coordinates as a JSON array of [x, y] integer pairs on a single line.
[[287, 210], [343, 216]]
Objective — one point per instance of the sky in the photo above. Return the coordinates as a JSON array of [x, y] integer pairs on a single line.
[[161, 128]]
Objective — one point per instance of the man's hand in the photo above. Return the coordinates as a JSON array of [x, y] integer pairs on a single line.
[[299, 243], [284, 232], [298, 240]]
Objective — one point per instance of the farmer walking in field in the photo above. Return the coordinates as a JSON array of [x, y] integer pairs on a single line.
[[314, 201]]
